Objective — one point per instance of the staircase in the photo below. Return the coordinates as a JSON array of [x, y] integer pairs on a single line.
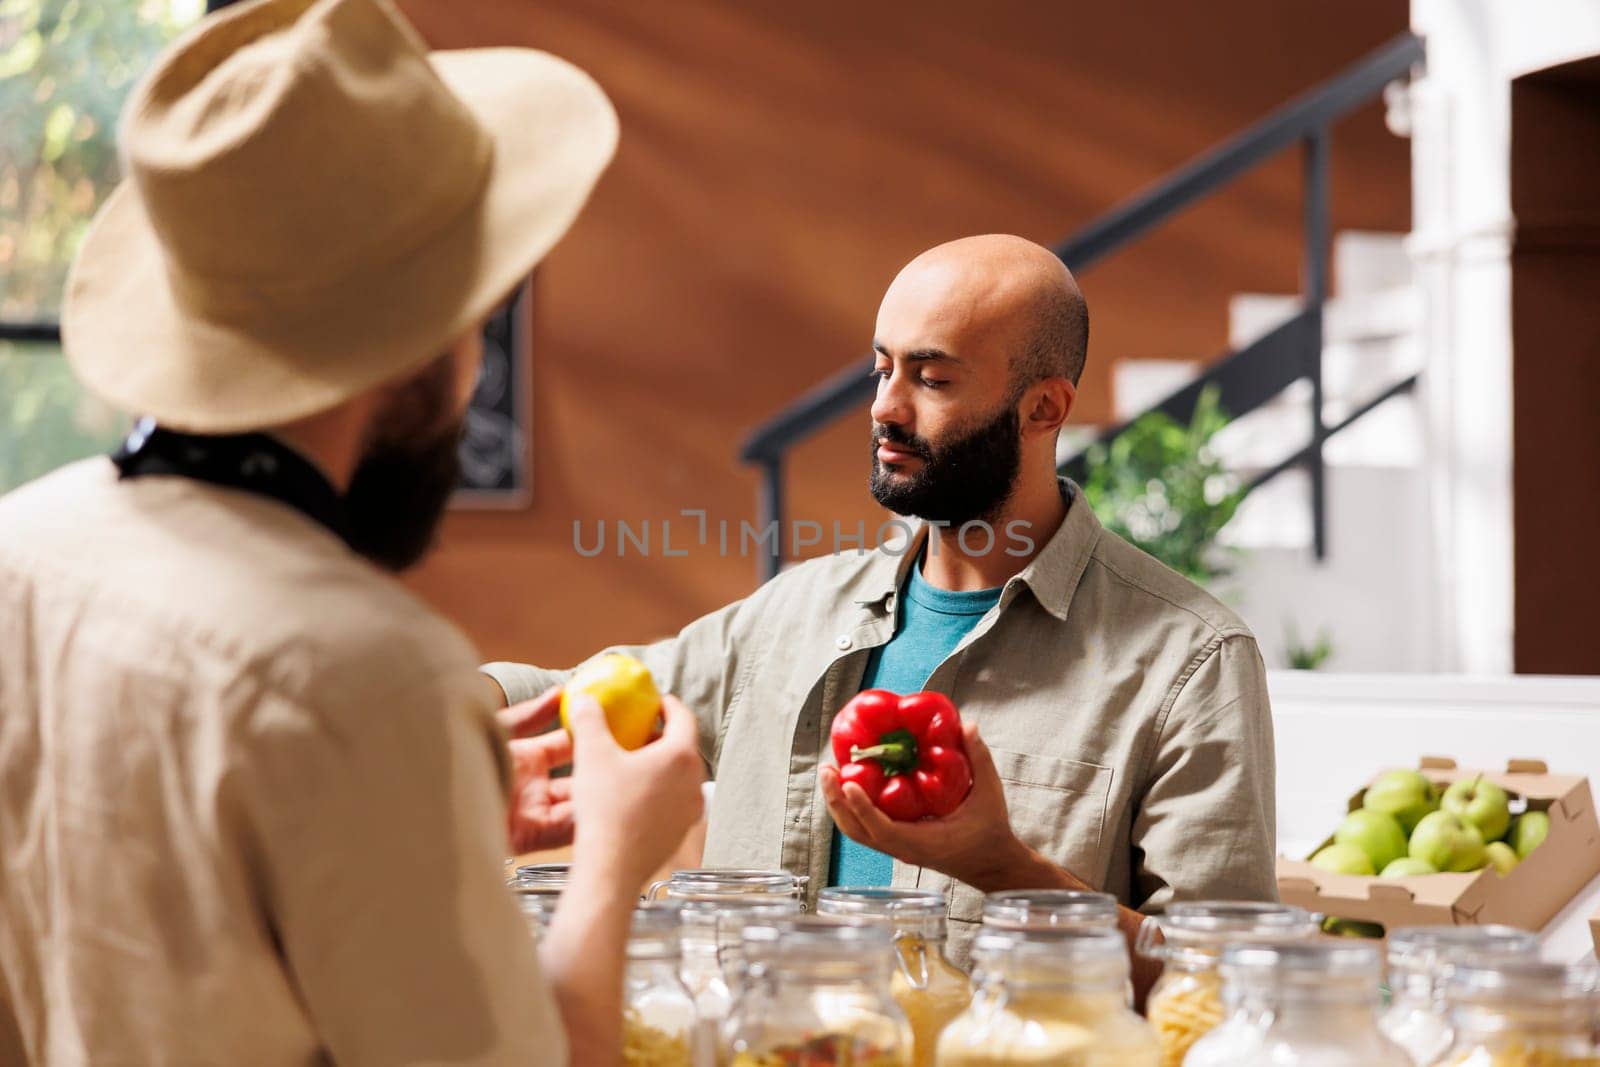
[[1378, 530]]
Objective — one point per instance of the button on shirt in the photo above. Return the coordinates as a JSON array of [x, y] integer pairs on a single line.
[[1126, 709], [932, 623]]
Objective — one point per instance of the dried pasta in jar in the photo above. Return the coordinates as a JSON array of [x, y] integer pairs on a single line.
[[826, 1050], [929, 989], [1054, 997], [1183, 1010], [649, 1046], [1188, 938], [1517, 1054], [1522, 1012]]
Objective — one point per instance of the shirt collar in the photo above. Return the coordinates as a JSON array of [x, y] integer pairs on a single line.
[[1052, 575]]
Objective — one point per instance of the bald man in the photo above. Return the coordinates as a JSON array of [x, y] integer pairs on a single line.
[[1117, 714]]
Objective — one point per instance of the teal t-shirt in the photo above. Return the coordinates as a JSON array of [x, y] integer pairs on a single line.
[[931, 623]]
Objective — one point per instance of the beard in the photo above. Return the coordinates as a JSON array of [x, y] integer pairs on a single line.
[[959, 481], [408, 468]]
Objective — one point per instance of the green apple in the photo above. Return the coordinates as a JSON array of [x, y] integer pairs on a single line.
[[1447, 841], [1529, 832], [1374, 832], [1407, 795], [1343, 859], [1502, 857], [1350, 928], [1483, 804], [1406, 866]]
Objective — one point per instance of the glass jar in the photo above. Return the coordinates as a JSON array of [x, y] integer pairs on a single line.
[[1419, 956], [818, 996], [541, 875], [1054, 997], [658, 1014], [717, 905], [538, 907], [1300, 1004], [928, 987], [537, 888], [714, 966], [1186, 1001], [1044, 909], [713, 884], [1522, 1013]]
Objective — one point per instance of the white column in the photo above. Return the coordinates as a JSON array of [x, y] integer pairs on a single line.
[[1460, 119]]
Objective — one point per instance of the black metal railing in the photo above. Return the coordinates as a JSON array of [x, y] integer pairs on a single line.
[[31, 332], [1247, 378]]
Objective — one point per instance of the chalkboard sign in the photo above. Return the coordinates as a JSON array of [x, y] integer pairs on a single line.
[[498, 433]]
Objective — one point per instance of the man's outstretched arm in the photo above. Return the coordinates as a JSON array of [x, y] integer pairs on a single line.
[[698, 665]]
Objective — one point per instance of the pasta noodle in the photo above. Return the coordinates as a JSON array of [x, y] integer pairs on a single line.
[[1183, 1008], [832, 1050], [647, 1046], [1062, 1030], [1516, 1054]]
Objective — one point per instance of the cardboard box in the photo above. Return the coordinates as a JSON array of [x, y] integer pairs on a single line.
[[1529, 897]]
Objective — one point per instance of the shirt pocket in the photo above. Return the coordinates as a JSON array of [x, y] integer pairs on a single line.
[[1057, 806]]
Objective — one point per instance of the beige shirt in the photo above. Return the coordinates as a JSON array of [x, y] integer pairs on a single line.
[[1127, 710], [251, 810]]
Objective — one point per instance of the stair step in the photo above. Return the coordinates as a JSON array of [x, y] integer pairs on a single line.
[[1137, 385], [1366, 261], [1390, 435], [1378, 314], [1352, 372]]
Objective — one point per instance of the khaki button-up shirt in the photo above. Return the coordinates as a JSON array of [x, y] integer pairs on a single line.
[[1126, 708], [252, 804]]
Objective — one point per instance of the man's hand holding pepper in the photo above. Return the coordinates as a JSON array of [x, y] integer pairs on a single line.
[[974, 843]]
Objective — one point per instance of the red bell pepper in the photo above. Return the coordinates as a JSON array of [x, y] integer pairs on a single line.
[[906, 752]]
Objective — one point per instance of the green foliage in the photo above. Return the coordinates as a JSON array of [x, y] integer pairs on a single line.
[[1160, 486], [64, 71], [45, 419], [1303, 656], [65, 68]]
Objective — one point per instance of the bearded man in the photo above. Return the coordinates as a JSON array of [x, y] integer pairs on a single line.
[[253, 803], [1126, 740]]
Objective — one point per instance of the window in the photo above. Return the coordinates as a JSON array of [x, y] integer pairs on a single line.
[[65, 68]]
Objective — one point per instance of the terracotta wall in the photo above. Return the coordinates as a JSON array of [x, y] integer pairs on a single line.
[[779, 163], [1555, 316]]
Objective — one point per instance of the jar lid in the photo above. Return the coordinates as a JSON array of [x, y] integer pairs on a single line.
[[881, 903], [1426, 946], [655, 930], [816, 936], [1217, 922], [731, 881], [1068, 944], [1050, 909], [541, 874], [1291, 960], [1522, 980]]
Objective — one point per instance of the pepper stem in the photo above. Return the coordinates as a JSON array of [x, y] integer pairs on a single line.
[[896, 751]]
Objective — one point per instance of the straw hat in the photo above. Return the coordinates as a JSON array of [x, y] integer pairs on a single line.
[[316, 205]]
